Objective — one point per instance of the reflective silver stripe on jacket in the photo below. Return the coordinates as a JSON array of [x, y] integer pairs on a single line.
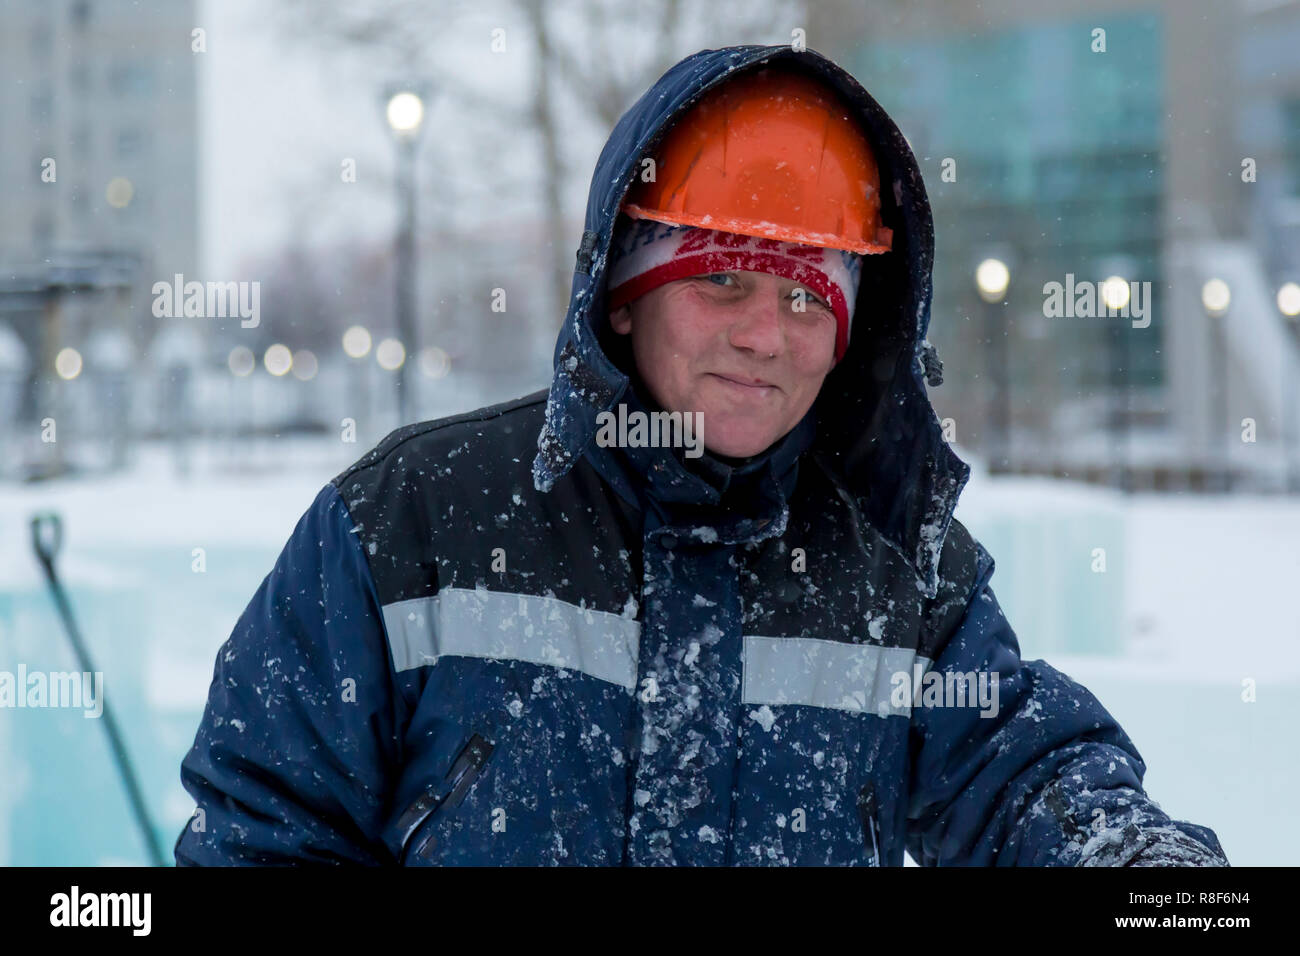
[[460, 622], [821, 673], [500, 625]]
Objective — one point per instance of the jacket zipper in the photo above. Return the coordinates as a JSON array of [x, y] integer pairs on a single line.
[[448, 795], [867, 811]]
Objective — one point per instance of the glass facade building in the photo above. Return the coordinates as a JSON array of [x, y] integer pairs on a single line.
[[1053, 160]]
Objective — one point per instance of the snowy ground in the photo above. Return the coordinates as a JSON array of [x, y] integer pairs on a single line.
[[1195, 598], [1207, 603]]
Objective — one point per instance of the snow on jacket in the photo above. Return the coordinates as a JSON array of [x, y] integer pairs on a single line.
[[493, 640]]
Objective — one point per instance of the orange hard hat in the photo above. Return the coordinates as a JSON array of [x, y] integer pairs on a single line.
[[771, 153]]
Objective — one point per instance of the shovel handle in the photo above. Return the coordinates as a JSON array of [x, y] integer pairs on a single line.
[[47, 536]]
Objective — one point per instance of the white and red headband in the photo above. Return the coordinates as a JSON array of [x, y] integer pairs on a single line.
[[647, 254]]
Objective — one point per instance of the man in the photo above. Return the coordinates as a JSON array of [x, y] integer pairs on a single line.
[[559, 630]]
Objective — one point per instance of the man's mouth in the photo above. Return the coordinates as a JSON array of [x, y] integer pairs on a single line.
[[756, 385]]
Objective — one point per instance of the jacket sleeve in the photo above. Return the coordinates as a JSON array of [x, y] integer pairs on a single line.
[[1047, 778], [295, 754]]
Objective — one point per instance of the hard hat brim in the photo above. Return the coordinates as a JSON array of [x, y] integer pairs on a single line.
[[766, 230]]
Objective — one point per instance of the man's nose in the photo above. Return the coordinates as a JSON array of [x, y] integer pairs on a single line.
[[759, 326]]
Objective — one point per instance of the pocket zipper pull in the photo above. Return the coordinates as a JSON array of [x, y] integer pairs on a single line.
[[449, 793], [867, 810]]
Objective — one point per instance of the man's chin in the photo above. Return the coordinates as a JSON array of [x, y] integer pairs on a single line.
[[738, 446]]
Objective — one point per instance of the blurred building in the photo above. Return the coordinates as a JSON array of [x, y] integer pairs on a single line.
[[1067, 159], [98, 177], [107, 90]]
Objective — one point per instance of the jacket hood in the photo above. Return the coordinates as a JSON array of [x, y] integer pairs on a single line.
[[877, 433]]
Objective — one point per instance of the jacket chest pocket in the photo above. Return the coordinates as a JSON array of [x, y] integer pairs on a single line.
[[444, 796]]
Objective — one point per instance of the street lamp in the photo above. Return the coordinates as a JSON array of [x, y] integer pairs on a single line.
[[1288, 300], [356, 341], [1216, 297], [241, 361], [1115, 293], [405, 114], [992, 277], [391, 355], [305, 365], [1288, 303], [68, 363], [434, 362], [356, 345], [278, 360]]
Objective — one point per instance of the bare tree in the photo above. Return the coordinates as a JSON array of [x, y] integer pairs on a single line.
[[590, 59]]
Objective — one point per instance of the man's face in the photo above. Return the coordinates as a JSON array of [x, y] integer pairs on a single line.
[[735, 347]]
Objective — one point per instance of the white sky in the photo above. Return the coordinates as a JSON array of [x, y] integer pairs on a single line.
[[279, 113], [278, 116]]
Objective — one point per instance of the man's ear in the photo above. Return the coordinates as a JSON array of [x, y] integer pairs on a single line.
[[620, 320]]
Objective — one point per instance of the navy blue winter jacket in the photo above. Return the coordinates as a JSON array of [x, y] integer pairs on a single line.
[[493, 640]]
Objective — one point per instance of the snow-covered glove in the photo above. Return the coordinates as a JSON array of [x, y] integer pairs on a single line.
[[1175, 848], [1153, 846]]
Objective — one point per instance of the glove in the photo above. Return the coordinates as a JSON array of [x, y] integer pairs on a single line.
[[1171, 847], [1153, 846]]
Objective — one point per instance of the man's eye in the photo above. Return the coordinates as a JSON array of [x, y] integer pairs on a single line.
[[724, 277], [809, 297]]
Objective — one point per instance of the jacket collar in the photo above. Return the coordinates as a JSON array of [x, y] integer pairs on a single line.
[[731, 502]]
